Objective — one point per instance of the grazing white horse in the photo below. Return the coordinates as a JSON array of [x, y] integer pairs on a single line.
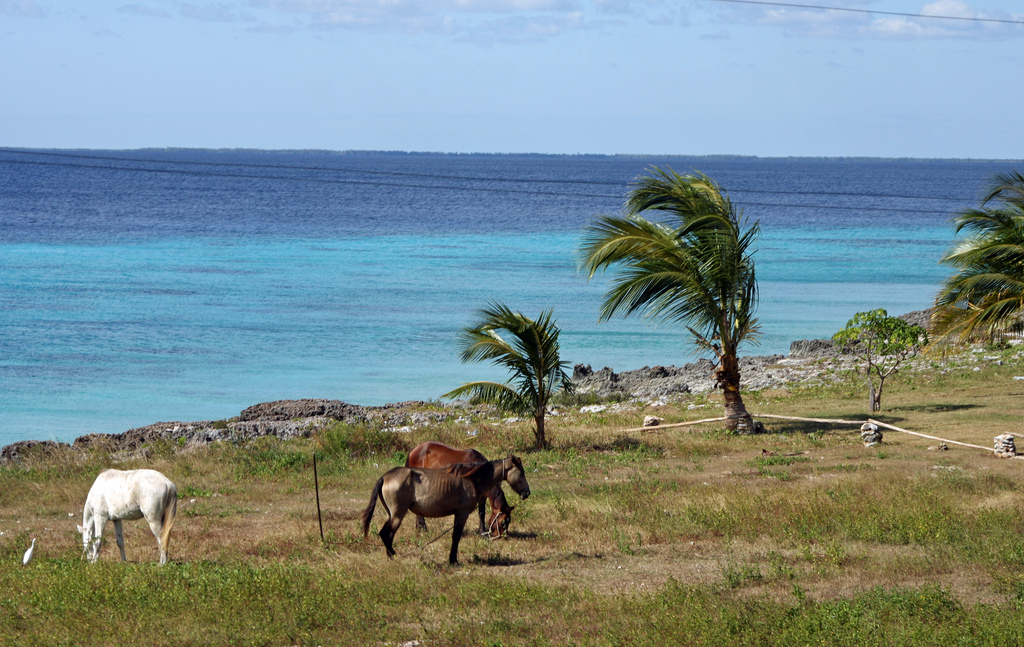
[[117, 495]]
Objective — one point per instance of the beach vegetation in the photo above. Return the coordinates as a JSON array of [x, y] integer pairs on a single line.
[[359, 440], [529, 350], [984, 299], [696, 271], [883, 344]]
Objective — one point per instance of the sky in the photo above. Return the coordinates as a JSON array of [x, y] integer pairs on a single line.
[[686, 77]]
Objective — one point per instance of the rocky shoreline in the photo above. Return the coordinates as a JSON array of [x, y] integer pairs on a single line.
[[808, 362], [281, 418]]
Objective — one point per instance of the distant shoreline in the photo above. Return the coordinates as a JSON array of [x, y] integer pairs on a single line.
[[718, 157]]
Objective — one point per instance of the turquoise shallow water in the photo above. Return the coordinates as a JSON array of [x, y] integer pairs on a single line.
[[217, 301], [132, 334]]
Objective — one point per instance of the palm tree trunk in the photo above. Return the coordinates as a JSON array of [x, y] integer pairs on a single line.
[[728, 378], [542, 441]]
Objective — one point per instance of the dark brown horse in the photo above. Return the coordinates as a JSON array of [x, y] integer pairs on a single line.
[[439, 493], [436, 455]]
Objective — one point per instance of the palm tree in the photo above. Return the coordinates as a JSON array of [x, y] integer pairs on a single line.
[[697, 272], [530, 353], [984, 299]]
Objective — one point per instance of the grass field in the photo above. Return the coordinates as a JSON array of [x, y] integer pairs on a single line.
[[688, 535]]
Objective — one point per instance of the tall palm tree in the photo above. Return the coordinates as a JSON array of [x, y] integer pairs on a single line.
[[697, 271], [984, 299], [529, 350]]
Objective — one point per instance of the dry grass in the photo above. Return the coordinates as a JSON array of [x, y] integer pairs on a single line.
[[803, 513]]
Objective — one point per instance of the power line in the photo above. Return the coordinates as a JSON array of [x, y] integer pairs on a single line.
[[436, 176], [1006, 21]]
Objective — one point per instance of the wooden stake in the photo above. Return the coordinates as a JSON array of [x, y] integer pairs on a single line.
[[316, 484]]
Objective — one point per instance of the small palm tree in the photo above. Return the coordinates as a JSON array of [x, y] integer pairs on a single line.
[[985, 298], [697, 271], [529, 351]]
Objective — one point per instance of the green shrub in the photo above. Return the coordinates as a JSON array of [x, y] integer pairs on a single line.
[[269, 456], [359, 441]]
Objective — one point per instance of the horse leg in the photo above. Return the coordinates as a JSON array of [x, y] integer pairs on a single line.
[[120, 538], [460, 524], [480, 510], [387, 534]]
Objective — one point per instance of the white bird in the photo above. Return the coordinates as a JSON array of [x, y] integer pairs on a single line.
[[28, 553]]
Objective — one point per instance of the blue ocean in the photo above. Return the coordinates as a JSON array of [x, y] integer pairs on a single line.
[[156, 285]]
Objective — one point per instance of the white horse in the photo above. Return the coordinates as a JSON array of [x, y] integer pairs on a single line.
[[117, 495]]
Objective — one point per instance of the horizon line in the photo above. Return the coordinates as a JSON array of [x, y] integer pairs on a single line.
[[383, 152]]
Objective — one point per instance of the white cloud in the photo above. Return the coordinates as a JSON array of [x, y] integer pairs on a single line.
[[511, 6], [526, 29], [468, 20], [974, 26], [961, 20], [21, 9], [215, 13], [141, 10]]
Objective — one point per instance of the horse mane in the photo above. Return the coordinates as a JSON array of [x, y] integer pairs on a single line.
[[498, 497], [465, 469]]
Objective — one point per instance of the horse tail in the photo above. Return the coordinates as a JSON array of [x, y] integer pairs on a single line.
[[170, 511], [368, 512]]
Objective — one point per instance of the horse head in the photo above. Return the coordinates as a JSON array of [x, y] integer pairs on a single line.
[[90, 547], [498, 524], [515, 474]]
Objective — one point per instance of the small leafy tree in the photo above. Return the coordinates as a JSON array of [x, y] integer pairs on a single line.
[[529, 350], [883, 343]]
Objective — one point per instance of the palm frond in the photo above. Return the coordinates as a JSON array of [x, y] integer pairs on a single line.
[[528, 349], [985, 297], [699, 274], [500, 395]]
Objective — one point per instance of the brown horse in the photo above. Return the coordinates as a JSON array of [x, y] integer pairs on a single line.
[[439, 493], [435, 455]]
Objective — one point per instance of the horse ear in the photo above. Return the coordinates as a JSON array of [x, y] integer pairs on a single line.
[[511, 508]]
